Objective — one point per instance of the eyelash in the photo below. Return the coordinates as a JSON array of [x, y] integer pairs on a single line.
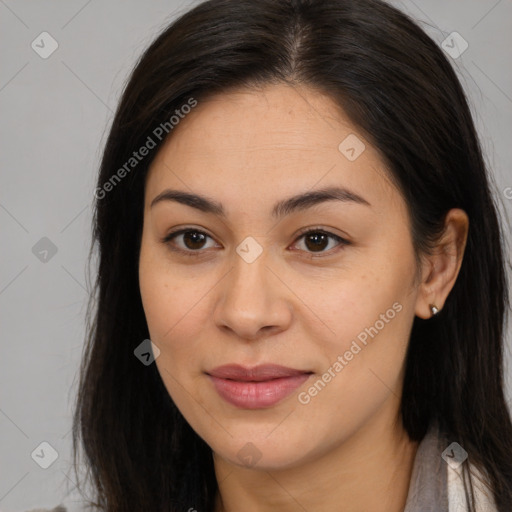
[[199, 252]]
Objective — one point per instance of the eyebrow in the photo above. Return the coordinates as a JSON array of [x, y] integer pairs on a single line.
[[285, 207]]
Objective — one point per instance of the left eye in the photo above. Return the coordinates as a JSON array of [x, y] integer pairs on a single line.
[[315, 240]]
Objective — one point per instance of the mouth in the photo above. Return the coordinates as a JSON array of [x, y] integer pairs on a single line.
[[256, 388]]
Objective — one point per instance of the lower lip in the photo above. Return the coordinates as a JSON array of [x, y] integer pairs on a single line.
[[257, 395]]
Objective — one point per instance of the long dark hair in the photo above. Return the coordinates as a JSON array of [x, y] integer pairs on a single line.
[[398, 87]]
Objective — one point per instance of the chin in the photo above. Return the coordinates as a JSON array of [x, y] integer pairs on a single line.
[[263, 454]]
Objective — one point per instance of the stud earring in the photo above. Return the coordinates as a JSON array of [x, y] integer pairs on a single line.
[[433, 309]]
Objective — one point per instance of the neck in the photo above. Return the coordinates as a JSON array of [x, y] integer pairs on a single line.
[[369, 471]]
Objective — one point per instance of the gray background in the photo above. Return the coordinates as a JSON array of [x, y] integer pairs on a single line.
[[54, 118]]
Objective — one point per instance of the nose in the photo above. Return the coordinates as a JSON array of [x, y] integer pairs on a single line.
[[253, 302]]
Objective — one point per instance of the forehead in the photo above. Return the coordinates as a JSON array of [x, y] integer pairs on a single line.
[[269, 142], [264, 120]]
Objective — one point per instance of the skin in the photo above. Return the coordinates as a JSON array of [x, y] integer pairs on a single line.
[[248, 149]]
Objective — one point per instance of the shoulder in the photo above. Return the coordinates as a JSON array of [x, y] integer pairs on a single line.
[[73, 501], [484, 500], [59, 508], [64, 507]]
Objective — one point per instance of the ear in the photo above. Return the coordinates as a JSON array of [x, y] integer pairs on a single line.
[[441, 268]]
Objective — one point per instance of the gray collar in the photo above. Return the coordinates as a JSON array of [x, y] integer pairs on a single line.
[[428, 488]]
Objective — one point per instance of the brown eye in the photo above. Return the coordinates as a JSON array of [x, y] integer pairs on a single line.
[[316, 241], [192, 241]]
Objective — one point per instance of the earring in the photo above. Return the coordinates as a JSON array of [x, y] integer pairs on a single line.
[[433, 309]]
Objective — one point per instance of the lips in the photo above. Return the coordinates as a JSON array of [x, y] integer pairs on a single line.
[[258, 387], [256, 374]]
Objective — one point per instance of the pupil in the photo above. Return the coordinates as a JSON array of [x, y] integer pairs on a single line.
[[196, 238], [318, 240]]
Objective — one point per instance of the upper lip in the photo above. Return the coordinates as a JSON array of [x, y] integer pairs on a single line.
[[257, 373]]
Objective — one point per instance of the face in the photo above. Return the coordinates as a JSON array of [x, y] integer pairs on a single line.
[[322, 286]]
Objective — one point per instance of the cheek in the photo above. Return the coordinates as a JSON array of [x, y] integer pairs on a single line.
[[361, 304], [165, 295], [173, 326], [363, 360], [370, 310], [170, 305], [176, 307]]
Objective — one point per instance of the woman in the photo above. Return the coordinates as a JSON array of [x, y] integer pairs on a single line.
[[294, 208]]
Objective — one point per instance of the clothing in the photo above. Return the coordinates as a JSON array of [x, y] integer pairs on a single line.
[[434, 487]]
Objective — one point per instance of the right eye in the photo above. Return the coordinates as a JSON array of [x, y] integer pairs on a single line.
[[193, 241]]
